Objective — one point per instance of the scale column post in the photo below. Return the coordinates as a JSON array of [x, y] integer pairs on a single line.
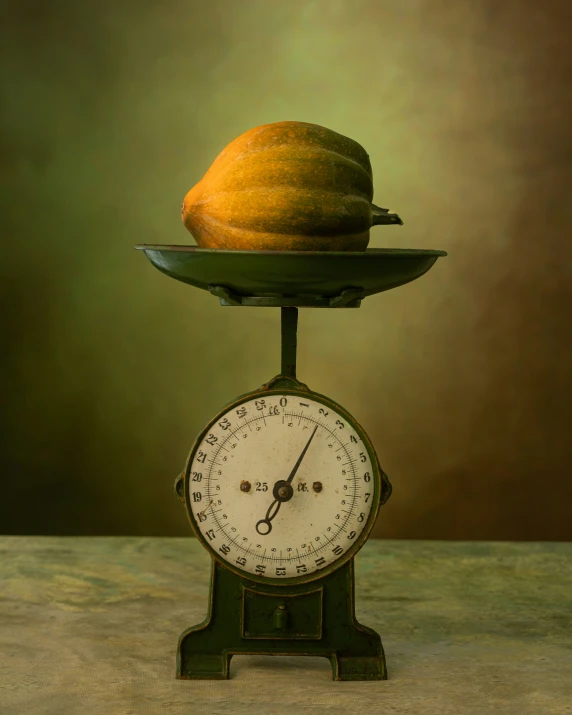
[[289, 324]]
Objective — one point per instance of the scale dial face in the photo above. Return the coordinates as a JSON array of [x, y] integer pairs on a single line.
[[282, 486]]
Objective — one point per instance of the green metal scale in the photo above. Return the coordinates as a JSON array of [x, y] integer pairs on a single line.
[[283, 485]]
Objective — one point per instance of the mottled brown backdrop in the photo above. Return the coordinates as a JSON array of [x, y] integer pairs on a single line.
[[111, 111]]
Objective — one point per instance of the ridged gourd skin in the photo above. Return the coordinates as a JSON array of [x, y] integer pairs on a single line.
[[288, 186]]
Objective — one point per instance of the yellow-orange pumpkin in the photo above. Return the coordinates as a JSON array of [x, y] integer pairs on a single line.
[[288, 186]]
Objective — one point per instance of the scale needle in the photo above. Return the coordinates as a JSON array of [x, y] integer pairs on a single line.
[[208, 506], [282, 492]]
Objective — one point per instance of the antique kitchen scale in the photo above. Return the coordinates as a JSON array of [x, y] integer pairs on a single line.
[[283, 486]]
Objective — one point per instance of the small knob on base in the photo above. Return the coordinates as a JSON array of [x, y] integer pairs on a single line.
[[280, 618]]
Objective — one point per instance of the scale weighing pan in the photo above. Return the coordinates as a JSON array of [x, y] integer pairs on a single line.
[[321, 279]]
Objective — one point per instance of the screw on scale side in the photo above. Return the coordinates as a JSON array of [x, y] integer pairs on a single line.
[[244, 486], [317, 487]]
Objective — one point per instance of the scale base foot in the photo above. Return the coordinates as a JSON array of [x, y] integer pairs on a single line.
[[204, 667], [358, 668], [217, 667]]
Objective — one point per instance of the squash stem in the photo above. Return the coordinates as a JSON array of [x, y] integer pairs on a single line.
[[384, 217]]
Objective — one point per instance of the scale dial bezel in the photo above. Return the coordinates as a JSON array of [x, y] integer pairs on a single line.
[[380, 484]]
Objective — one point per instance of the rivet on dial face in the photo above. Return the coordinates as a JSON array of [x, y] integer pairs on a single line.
[[244, 486], [317, 486]]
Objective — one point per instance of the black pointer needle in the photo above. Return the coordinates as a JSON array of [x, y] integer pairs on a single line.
[[300, 458], [282, 491]]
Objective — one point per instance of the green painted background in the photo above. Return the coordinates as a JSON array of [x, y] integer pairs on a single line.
[[111, 111]]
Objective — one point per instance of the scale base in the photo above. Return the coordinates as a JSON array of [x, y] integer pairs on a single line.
[[312, 619]]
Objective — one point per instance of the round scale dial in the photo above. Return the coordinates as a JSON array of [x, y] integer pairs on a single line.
[[282, 486]]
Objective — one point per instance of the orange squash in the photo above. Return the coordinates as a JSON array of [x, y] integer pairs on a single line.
[[288, 186]]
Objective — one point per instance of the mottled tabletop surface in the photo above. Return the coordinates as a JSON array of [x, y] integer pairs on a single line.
[[90, 625]]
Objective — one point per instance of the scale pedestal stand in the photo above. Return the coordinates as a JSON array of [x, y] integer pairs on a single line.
[[284, 605], [249, 618]]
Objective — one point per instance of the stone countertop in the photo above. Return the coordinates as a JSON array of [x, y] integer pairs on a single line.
[[90, 626]]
